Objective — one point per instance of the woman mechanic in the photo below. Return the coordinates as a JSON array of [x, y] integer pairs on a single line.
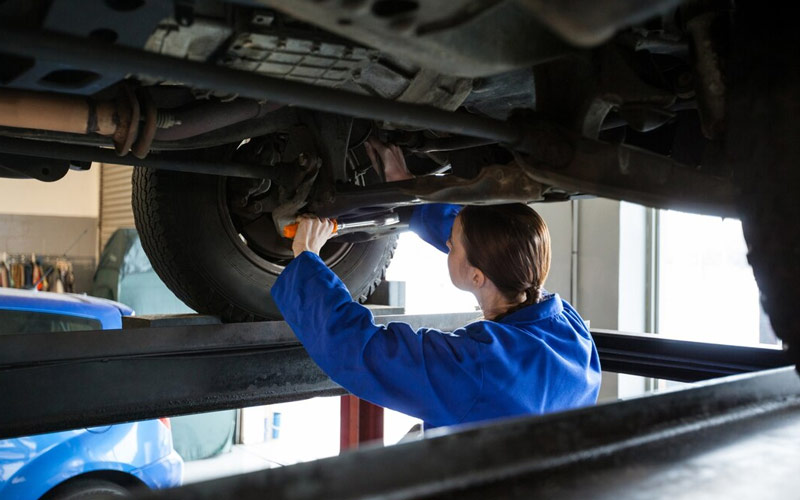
[[530, 354]]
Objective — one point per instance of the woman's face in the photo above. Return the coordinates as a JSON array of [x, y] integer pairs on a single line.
[[457, 262]]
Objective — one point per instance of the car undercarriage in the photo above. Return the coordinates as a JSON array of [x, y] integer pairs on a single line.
[[243, 114]]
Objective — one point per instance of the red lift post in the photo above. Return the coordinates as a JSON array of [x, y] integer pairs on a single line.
[[361, 422]]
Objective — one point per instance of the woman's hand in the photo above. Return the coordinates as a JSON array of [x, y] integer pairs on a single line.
[[312, 233], [391, 156]]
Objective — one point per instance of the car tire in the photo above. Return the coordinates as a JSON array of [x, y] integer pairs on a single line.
[[762, 144], [191, 238], [86, 489]]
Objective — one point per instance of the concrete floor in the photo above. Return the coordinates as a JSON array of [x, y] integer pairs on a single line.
[[241, 459]]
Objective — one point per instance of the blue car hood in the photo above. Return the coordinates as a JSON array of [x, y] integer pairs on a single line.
[[107, 311]]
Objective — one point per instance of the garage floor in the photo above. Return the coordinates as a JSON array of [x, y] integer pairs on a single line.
[[304, 437], [241, 459]]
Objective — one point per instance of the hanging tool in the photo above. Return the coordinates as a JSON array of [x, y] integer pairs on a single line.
[[290, 230]]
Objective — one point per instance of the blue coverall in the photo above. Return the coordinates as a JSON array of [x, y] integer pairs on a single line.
[[538, 359]]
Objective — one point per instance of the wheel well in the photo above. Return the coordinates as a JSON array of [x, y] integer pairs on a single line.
[[117, 477]]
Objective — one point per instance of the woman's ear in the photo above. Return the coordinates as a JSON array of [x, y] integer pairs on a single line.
[[477, 277]]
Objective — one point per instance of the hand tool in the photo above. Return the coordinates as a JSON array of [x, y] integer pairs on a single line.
[[290, 230]]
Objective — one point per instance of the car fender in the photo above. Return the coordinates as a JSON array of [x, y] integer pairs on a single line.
[[117, 449]]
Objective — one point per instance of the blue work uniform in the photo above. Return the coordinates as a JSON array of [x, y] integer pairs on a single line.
[[538, 359]]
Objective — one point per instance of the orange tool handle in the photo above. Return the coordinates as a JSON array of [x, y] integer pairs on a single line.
[[290, 231]]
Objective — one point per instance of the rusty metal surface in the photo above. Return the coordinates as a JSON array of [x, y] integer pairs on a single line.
[[565, 159], [494, 184], [128, 113], [203, 117], [25, 109], [144, 140]]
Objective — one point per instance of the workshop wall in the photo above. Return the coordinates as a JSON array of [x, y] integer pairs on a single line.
[[558, 217], [611, 277], [49, 218], [76, 195]]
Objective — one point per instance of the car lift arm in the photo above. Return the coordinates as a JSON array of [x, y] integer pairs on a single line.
[[191, 364]]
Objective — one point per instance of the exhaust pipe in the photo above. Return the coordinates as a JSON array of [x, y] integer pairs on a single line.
[[118, 119], [121, 118], [58, 113]]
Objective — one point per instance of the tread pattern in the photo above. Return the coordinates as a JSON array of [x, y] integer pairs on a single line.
[[173, 259], [372, 285], [88, 488], [167, 255]]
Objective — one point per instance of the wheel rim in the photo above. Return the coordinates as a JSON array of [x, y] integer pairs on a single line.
[[260, 243]]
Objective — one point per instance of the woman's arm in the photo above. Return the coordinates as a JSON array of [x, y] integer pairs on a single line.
[[433, 223], [432, 375]]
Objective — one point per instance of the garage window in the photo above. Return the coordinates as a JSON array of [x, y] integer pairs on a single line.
[[705, 287], [427, 280], [39, 322]]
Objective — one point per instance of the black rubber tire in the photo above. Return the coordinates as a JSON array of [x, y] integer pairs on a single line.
[[763, 145], [86, 489], [186, 233]]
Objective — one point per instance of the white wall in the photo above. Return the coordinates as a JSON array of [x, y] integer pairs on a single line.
[[558, 217], [598, 262], [76, 195], [609, 272]]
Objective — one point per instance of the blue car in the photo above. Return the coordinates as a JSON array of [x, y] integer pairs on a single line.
[[83, 463]]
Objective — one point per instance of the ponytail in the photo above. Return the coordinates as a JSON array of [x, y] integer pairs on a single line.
[[533, 295]]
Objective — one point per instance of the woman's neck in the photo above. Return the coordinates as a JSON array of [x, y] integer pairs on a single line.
[[493, 303]]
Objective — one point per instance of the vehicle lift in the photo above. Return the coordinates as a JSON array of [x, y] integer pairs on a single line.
[[736, 434]]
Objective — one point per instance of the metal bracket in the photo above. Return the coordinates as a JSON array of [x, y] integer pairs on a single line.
[[287, 211], [494, 184], [555, 156]]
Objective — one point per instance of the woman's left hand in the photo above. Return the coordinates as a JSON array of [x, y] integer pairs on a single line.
[[312, 233]]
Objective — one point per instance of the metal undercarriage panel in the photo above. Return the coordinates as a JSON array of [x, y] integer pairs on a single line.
[[467, 38]]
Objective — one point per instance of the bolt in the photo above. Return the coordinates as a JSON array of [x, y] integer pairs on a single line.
[[263, 19], [166, 120]]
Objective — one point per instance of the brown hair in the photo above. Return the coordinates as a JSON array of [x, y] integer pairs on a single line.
[[511, 245]]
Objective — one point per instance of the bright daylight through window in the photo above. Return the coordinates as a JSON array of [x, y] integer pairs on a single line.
[[706, 288]]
